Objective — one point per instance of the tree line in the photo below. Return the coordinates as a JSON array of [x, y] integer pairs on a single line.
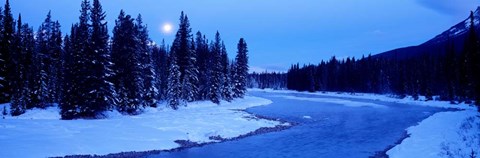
[[454, 75], [274, 80], [87, 72]]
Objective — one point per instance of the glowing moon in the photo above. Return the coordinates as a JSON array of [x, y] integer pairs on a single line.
[[167, 28]]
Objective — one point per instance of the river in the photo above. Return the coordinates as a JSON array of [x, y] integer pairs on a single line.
[[327, 127]]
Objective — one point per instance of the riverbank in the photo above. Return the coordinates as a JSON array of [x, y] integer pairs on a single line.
[[40, 133], [444, 134]]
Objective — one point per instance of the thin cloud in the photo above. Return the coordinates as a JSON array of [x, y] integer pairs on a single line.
[[450, 7]]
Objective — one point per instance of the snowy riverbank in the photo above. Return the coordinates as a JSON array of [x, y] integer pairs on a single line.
[[40, 133], [444, 134]]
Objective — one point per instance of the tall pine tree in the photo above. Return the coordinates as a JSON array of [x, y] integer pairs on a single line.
[[128, 72], [215, 71], [174, 91], [184, 50], [241, 70], [226, 81], [203, 56], [149, 91], [6, 48], [100, 94]]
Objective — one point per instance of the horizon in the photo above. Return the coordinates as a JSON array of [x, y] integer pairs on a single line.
[[281, 35]]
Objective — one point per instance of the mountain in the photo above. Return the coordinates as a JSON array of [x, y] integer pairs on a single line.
[[456, 34]]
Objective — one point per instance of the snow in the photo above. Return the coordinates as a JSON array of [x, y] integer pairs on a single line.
[[40, 133], [445, 134], [343, 102]]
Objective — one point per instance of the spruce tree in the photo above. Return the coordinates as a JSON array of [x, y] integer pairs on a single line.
[[100, 94], [186, 59], [203, 57], [215, 83], [18, 84], [241, 70], [55, 43], [160, 66], [226, 81], [69, 101], [82, 55], [6, 48], [44, 61], [128, 73], [76, 73], [174, 91], [149, 91]]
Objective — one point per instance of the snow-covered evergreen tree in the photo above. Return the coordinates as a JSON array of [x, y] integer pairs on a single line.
[[55, 43], [20, 88], [241, 70], [69, 101], [186, 59], [226, 81], [215, 83], [174, 91], [203, 57], [128, 72], [44, 62], [100, 94], [6, 48], [149, 90], [160, 66]]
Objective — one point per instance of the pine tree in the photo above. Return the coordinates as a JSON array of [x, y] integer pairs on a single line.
[[100, 95], [186, 59], [226, 81], [66, 86], [69, 102], [149, 90], [76, 72], [241, 70], [18, 84], [55, 43], [82, 55], [126, 59], [215, 73], [202, 51], [160, 66], [6, 47], [44, 61], [174, 98]]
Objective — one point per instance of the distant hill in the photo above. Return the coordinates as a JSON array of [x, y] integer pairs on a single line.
[[437, 45]]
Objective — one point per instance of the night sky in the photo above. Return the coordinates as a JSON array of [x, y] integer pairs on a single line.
[[280, 32]]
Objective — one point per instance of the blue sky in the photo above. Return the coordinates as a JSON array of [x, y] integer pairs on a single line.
[[281, 32]]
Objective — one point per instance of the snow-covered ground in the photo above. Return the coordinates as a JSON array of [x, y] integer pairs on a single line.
[[445, 134], [40, 133]]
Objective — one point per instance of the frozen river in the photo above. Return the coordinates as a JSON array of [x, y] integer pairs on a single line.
[[328, 127]]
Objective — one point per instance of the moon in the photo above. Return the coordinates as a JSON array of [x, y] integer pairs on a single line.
[[167, 28]]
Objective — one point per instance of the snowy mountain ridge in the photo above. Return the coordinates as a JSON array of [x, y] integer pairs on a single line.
[[436, 46], [461, 28]]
